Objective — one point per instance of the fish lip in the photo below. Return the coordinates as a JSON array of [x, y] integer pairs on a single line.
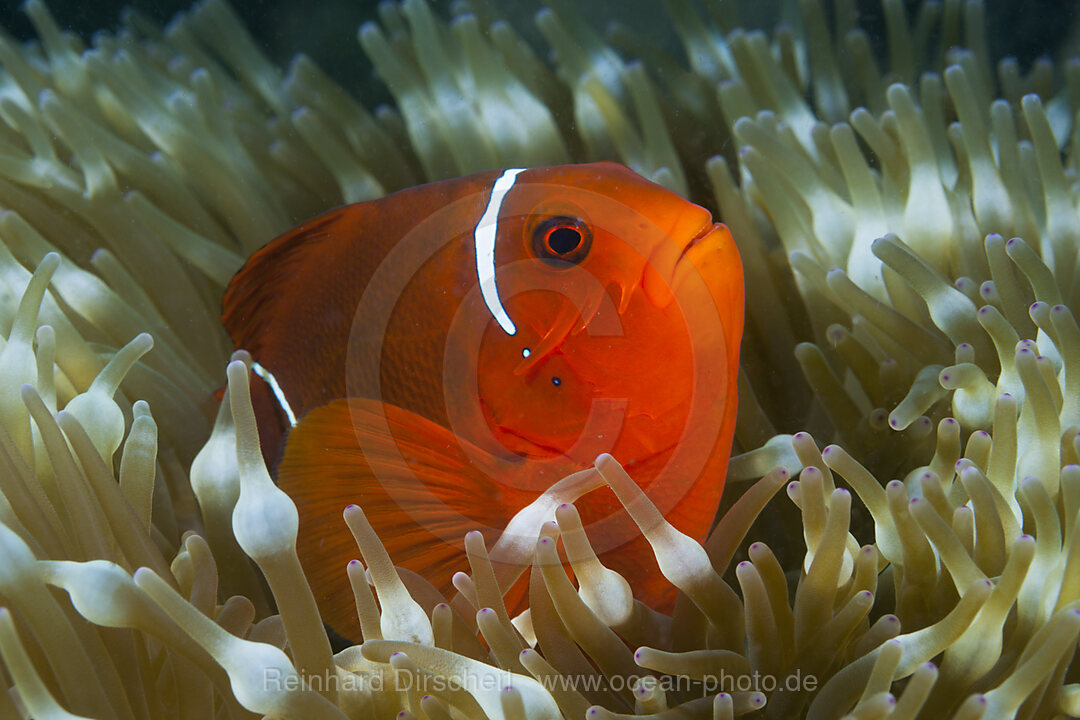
[[701, 234], [667, 263], [704, 232]]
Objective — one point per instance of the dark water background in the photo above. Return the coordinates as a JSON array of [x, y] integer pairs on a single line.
[[326, 31]]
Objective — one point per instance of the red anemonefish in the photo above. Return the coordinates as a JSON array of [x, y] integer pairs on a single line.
[[442, 355]]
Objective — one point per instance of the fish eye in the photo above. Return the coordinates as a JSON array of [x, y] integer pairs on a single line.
[[562, 238]]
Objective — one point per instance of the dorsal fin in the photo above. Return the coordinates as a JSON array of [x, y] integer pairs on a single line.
[[268, 306], [268, 276]]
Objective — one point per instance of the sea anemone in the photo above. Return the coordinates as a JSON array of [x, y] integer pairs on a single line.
[[910, 245]]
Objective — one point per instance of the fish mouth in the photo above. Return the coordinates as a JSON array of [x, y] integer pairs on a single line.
[[707, 229], [666, 260]]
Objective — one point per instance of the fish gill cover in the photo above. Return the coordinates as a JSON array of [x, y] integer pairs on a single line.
[[909, 231]]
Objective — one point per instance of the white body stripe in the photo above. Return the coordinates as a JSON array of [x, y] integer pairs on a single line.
[[276, 389], [484, 239]]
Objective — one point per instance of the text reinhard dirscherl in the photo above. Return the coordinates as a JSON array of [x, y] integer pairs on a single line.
[[276, 680]]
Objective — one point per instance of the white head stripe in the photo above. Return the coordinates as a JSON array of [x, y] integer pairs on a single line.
[[276, 389], [484, 239]]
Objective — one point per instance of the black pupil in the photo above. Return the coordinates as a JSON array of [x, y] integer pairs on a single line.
[[564, 240]]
